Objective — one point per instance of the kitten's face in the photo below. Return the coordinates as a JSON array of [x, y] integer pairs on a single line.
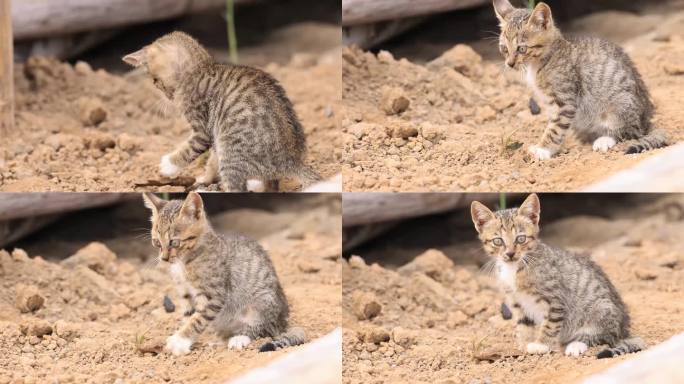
[[507, 235], [167, 58], [176, 225], [525, 35]]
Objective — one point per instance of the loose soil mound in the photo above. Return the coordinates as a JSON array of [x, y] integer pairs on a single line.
[[434, 321], [461, 123], [84, 130], [102, 316]]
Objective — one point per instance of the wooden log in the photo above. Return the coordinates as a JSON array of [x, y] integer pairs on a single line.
[[39, 18], [22, 205], [368, 11], [373, 207], [319, 361], [366, 36], [13, 230], [6, 70]]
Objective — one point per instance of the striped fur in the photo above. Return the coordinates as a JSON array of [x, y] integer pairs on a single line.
[[240, 113], [587, 84], [229, 280], [294, 336], [559, 299]]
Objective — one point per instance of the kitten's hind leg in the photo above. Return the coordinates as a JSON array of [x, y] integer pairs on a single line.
[[239, 342], [272, 185], [210, 170], [604, 143], [171, 164]]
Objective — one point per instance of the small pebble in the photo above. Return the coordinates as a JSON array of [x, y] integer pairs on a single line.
[[168, 305]]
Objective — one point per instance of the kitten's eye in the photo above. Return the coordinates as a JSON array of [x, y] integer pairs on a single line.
[[498, 241], [156, 243], [174, 243], [521, 239], [522, 49]]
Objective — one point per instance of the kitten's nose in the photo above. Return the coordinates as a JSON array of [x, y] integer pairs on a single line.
[[510, 255], [510, 63]]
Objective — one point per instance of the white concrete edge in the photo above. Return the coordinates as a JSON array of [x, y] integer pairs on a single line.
[[318, 362]]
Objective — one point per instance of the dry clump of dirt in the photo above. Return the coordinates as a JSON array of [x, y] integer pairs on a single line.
[[101, 318], [441, 323], [461, 123], [83, 130]]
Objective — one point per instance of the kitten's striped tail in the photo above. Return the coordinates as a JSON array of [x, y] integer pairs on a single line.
[[655, 139], [634, 344], [292, 337]]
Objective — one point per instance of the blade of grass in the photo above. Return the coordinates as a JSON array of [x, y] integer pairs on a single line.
[[502, 200], [232, 37], [530, 4]]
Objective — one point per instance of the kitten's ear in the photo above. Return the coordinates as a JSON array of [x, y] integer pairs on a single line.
[[193, 206], [136, 59], [530, 208], [541, 17], [481, 215], [153, 202], [502, 8]]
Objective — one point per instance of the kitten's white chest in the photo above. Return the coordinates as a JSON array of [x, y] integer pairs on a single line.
[[179, 277], [531, 80], [530, 307], [177, 273], [506, 275]]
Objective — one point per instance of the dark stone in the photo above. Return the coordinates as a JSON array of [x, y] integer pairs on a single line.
[[506, 312], [534, 107], [168, 305]]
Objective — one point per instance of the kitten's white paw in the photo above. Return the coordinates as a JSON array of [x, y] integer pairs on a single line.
[[204, 180], [255, 186], [575, 348], [178, 345], [540, 153], [167, 168], [238, 342], [604, 143], [537, 348]]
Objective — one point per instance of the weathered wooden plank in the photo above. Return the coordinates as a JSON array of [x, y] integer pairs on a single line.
[[39, 18], [6, 69], [21, 205], [368, 11], [373, 207]]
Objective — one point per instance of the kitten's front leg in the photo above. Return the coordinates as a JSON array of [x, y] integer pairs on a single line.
[[171, 164], [547, 334], [524, 325], [555, 132], [205, 312]]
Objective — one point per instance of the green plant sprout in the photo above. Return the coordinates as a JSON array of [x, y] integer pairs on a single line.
[[502, 200], [530, 4], [232, 37]]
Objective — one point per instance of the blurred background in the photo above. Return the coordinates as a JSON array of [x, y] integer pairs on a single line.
[[421, 31], [102, 31]]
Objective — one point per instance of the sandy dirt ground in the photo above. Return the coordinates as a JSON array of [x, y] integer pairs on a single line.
[[84, 130], [435, 318], [460, 122], [103, 304]]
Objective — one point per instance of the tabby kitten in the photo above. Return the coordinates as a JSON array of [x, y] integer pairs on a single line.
[[227, 280], [239, 113], [588, 84], [559, 299]]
